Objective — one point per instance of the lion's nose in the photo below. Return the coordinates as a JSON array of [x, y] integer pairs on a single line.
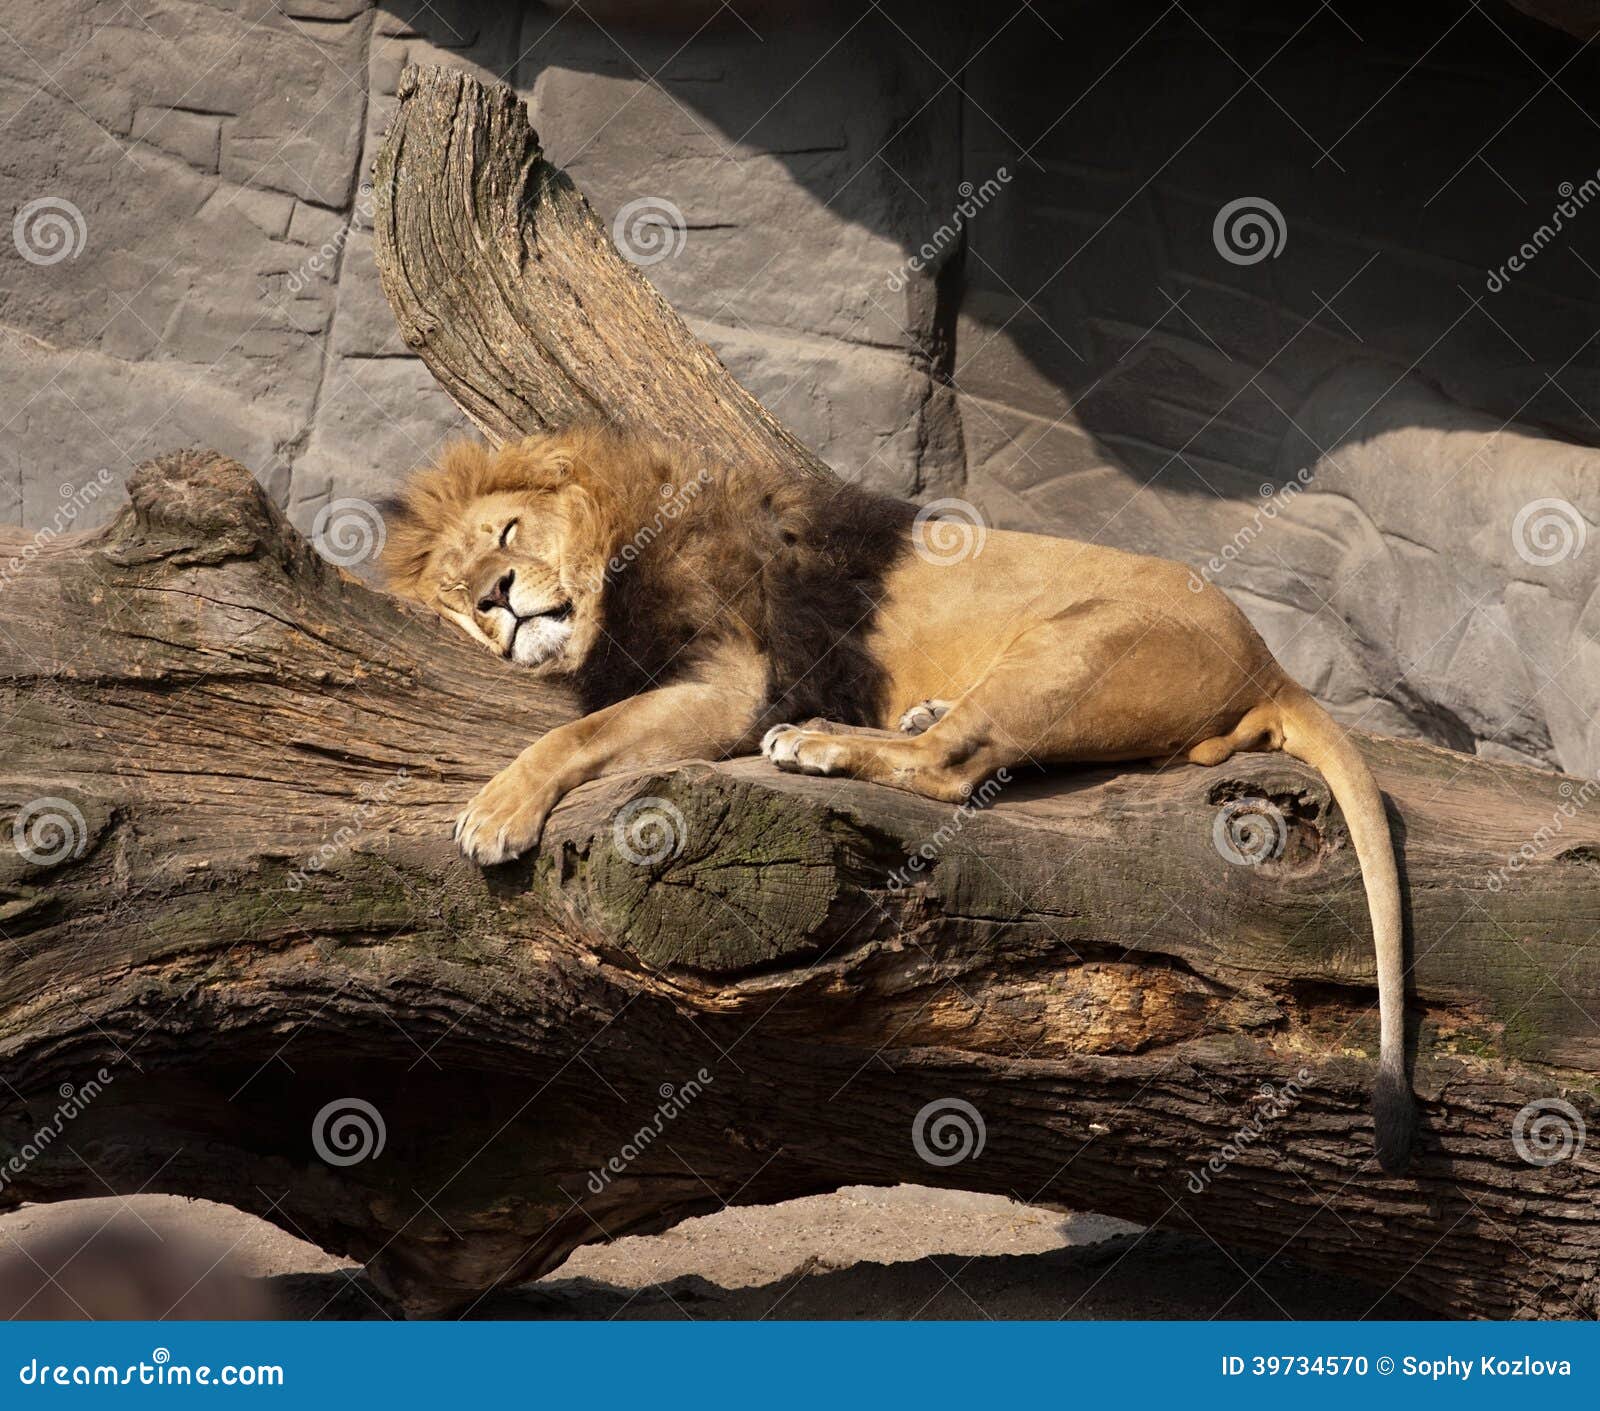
[[500, 595]]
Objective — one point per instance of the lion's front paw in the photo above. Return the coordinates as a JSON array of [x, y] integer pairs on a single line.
[[803, 751], [505, 820], [923, 716]]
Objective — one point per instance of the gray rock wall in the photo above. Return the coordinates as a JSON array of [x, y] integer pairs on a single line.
[[963, 252]]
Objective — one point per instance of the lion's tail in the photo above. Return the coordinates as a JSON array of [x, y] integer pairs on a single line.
[[1310, 734]]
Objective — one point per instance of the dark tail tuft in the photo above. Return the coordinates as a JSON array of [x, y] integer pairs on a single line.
[[1394, 1115]]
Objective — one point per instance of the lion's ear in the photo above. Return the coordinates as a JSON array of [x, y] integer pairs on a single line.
[[407, 544], [391, 509], [546, 460]]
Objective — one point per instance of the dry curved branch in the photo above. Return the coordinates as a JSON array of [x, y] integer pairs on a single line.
[[507, 285]]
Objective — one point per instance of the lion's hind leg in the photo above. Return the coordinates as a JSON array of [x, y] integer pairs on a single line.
[[1260, 729], [904, 761], [1109, 682], [1018, 713]]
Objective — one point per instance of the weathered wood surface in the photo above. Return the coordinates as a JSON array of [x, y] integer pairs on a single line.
[[260, 913], [507, 285]]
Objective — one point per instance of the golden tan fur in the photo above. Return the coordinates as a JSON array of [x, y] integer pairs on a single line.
[[1030, 650], [439, 539]]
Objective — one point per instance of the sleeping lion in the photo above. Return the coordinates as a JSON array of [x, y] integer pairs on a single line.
[[698, 614]]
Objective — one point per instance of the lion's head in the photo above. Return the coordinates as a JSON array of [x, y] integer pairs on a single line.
[[624, 562], [509, 545]]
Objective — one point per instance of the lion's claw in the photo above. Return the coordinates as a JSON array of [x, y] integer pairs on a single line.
[[923, 716], [799, 751], [504, 821]]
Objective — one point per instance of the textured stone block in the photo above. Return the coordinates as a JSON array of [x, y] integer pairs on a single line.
[[861, 409]]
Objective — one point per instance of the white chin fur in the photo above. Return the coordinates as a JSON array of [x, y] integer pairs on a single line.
[[538, 640]]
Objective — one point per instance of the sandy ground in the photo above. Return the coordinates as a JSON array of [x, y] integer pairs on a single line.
[[862, 1252]]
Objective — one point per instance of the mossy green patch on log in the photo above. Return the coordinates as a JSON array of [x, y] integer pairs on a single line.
[[700, 872]]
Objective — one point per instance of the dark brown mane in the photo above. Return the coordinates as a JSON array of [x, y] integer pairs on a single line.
[[700, 554]]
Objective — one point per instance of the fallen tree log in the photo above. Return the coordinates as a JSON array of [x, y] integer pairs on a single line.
[[242, 960]]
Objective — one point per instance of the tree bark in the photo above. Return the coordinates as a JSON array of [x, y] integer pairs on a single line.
[[712, 984], [507, 285]]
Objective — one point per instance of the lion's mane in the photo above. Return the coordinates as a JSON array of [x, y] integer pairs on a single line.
[[690, 555]]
